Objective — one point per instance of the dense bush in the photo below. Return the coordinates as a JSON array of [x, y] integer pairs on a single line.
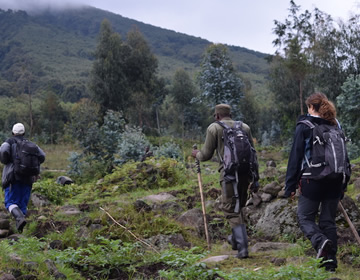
[[150, 174], [169, 150], [132, 146], [54, 192]]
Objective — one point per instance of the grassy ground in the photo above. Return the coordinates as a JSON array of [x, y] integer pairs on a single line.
[[57, 156], [101, 250]]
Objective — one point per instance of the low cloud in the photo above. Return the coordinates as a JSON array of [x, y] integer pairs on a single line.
[[40, 5]]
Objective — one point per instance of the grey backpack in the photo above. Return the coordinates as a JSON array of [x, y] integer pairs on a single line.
[[329, 158]]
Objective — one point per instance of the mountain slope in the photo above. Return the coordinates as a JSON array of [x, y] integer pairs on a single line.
[[56, 48]]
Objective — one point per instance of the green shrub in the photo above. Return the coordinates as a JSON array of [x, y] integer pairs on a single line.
[[169, 150], [132, 146], [56, 193], [150, 174], [85, 168]]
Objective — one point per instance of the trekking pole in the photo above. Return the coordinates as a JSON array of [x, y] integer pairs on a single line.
[[198, 170], [352, 227]]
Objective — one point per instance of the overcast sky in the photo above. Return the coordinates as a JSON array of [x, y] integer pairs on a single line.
[[244, 23]]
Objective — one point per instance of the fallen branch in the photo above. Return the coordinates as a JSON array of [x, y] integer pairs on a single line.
[[137, 238]]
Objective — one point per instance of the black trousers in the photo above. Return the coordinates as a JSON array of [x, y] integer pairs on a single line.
[[325, 228]]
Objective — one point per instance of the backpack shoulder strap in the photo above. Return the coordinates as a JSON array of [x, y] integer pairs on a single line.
[[238, 124], [222, 124], [306, 122]]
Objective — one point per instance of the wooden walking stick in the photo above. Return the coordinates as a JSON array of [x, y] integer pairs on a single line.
[[352, 227], [198, 170]]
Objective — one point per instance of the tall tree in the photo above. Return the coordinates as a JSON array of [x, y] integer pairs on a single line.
[[349, 106], [53, 117], [295, 39], [182, 92], [218, 79], [140, 71], [108, 83]]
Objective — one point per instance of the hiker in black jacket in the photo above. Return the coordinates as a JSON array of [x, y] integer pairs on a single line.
[[17, 187], [324, 193]]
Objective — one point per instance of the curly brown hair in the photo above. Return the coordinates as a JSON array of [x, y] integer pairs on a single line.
[[323, 106]]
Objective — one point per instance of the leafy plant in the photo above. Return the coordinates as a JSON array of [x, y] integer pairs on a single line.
[[56, 193], [150, 174], [169, 150], [132, 146]]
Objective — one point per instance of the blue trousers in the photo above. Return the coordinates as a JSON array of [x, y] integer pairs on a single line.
[[317, 233], [19, 194]]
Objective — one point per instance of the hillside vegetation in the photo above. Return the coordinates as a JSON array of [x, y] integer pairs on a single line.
[[58, 48], [112, 229]]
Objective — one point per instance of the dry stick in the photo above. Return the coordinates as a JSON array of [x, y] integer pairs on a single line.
[[202, 200], [137, 238], [353, 229]]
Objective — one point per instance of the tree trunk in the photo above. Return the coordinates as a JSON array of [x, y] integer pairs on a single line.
[[301, 97], [157, 118], [30, 112]]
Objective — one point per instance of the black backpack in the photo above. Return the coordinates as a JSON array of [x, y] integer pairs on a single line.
[[26, 161], [329, 158], [239, 155]]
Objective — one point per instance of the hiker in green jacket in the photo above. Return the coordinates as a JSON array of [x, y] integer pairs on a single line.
[[214, 141]]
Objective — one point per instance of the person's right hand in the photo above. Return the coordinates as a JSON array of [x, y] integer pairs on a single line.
[[292, 195], [194, 152]]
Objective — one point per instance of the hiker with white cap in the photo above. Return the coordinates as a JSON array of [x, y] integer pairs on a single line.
[[22, 159]]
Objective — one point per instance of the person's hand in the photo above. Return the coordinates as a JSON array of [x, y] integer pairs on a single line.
[[292, 195], [194, 152], [288, 195], [254, 187]]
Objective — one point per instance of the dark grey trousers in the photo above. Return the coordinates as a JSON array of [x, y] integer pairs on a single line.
[[317, 233]]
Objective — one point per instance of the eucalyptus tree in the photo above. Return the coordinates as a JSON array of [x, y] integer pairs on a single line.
[[108, 83], [218, 80], [294, 38], [182, 92], [141, 69]]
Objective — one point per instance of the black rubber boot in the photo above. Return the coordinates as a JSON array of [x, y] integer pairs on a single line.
[[231, 241], [19, 217], [239, 241]]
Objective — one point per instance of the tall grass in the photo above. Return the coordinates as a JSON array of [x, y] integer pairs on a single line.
[[57, 156]]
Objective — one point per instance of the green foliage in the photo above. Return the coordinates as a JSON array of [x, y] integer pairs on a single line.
[[218, 79], [350, 252], [96, 258], [108, 81], [180, 116], [53, 118], [99, 142], [306, 271], [150, 174], [32, 249], [349, 105], [132, 146], [85, 168], [56, 193], [168, 150]]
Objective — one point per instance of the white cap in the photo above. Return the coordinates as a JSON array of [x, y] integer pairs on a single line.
[[18, 129]]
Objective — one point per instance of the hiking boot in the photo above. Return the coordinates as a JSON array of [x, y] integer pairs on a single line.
[[231, 241], [324, 249], [19, 217], [239, 241]]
